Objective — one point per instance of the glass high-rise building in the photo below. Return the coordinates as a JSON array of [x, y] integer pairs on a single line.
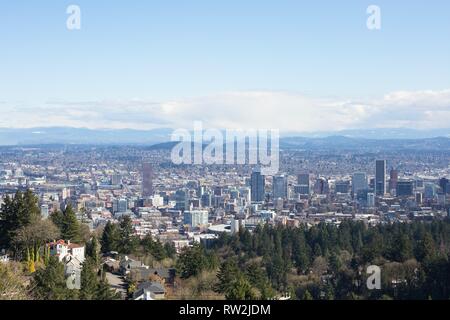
[[303, 179], [280, 187], [147, 180], [359, 182], [393, 180], [258, 182], [303, 184], [380, 177], [405, 188]]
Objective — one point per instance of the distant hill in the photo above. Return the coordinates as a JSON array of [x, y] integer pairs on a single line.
[[340, 142], [160, 138], [35, 136]]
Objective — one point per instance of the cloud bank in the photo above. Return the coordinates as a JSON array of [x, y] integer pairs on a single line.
[[248, 109]]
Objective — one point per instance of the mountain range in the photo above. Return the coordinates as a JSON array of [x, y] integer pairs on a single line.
[[411, 138]]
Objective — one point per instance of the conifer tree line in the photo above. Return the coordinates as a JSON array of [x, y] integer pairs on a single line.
[[323, 261], [24, 234], [328, 261]]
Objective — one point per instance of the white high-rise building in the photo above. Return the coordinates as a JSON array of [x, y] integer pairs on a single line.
[[371, 200]]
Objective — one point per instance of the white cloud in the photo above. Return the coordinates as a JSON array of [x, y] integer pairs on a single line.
[[251, 109]]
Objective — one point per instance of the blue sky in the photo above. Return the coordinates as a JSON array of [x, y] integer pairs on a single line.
[[178, 57]]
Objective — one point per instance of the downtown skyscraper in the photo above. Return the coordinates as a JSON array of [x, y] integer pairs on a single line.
[[380, 177], [257, 185], [280, 187], [147, 180]]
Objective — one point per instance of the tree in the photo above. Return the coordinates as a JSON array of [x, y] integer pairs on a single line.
[[228, 271], [89, 280], [104, 292], [425, 248], [15, 213], [239, 289], [93, 286], [71, 226], [170, 250], [154, 248], [32, 238], [258, 279], [49, 283], [402, 248], [110, 238], [191, 261], [127, 242], [93, 251]]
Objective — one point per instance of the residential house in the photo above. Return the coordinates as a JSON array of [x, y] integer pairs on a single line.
[[127, 264], [150, 291], [72, 255]]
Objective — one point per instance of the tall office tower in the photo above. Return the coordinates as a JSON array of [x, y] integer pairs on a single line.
[[419, 198], [201, 190], [444, 184], [393, 180], [342, 187], [359, 182], [371, 200], [120, 205], [405, 188], [234, 194], [321, 186], [303, 179], [147, 180], [218, 191], [206, 200], [182, 199], [430, 191], [380, 177], [245, 194], [303, 184], [258, 183], [280, 187]]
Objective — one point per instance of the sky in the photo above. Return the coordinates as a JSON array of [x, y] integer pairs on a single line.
[[288, 64]]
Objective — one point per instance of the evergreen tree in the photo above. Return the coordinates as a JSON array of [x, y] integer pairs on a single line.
[[191, 261], [89, 280], [239, 289], [127, 242], [71, 226], [110, 238], [93, 251], [49, 283], [228, 271], [16, 213]]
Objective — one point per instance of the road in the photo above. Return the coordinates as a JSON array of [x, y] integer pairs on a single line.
[[117, 282]]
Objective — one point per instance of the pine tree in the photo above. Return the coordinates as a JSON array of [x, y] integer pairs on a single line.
[[191, 261], [104, 292], [89, 280], [127, 243], [71, 226], [16, 213], [93, 251], [228, 271], [49, 283], [110, 238]]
